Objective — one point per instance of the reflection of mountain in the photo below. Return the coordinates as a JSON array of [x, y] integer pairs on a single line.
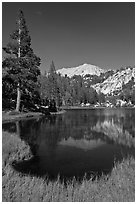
[[108, 127], [115, 132], [81, 143]]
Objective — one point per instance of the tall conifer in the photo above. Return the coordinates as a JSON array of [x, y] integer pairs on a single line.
[[21, 64], [53, 82]]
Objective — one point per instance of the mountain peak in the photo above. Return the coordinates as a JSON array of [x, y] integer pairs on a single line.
[[81, 70]]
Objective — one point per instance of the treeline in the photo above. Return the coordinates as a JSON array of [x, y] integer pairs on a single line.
[[51, 90], [67, 91]]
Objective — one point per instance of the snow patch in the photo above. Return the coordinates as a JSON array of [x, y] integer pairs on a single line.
[[81, 70]]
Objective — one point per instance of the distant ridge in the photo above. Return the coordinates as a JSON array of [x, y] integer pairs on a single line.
[[81, 70]]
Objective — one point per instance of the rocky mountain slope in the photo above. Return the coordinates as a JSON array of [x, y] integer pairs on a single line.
[[115, 82], [81, 70]]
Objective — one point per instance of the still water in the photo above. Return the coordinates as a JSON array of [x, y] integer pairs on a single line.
[[76, 143]]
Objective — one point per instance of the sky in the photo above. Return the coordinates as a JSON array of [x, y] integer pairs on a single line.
[[72, 33]]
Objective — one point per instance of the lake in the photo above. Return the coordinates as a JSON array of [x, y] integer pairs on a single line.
[[77, 142]]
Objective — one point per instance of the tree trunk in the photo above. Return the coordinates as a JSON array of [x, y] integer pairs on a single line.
[[18, 87], [18, 99]]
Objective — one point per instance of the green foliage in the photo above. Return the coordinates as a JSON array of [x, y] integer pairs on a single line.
[[52, 80], [50, 87], [66, 91], [128, 91], [78, 90], [101, 97], [21, 64]]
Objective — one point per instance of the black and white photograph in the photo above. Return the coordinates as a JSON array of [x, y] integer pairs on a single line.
[[68, 101]]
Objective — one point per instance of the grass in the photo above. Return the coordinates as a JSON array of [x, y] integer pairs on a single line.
[[119, 186]]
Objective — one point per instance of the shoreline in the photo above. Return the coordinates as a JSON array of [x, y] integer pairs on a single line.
[[7, 118], [30, 115], [58, 112], [22, 116], [90, 108]]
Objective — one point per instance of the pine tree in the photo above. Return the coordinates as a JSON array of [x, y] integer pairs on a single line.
[[54, 93], [52, 68], [21, 65]]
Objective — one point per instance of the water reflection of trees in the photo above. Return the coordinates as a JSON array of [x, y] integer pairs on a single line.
[[116, 126]]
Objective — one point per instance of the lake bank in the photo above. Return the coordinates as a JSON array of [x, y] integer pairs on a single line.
[[90, 107], [118, 186], [58, 112], [6, 117]]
